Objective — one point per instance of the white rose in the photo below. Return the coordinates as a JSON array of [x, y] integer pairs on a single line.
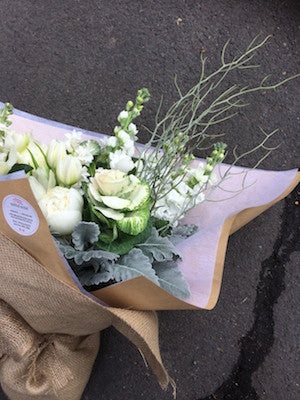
[[109, 182], [62, 209], [68, 170], [121, 161]]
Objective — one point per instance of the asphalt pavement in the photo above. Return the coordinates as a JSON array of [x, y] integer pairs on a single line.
[[78, 62]]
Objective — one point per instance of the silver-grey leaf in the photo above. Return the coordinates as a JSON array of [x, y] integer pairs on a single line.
[[85, 234], [132, 265], [182, 232], [158, 248], [89, 277], [84, 256], [171, 279]]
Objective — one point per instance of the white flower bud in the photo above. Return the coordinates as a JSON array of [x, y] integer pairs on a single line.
[[123, 115], [112, 141], [37, 188], [34, 153], [68, 170], [56, 151], [7, 160]]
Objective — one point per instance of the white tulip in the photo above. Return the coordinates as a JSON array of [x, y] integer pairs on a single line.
[[34, 151], [56, 151], [45, 177], [17, 141], [7, 160], [62, 209], [68, 170], [37, 188]]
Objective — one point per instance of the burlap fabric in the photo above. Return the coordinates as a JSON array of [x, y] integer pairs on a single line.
[[49, 331]]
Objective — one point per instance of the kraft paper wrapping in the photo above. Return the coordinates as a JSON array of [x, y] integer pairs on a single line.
[[204, 252], [49, 323]]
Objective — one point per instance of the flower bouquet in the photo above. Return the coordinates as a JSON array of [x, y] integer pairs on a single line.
[[105, 227]]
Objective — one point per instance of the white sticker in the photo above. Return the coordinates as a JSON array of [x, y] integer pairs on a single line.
[[20, 215]]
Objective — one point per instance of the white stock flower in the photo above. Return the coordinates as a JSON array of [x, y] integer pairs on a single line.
[[73, 139], [127, 142], [123, 115], [84, 154], [124, 136], [111, 141], [4, 128], [196, 175], [132, 130], [68, 170], [62, 209], [121, 161]]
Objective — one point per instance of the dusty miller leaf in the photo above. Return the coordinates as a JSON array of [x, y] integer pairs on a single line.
[[171, 279], [134, 264], [158, 248], [182, 232], [84, 256], [85, 234], [90, 278]]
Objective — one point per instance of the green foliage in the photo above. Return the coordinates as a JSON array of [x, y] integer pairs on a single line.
[[125, 242], [20, 167], [5, 112], [134, 222]]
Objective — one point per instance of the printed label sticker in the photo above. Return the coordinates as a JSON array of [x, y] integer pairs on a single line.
[[20, 215]]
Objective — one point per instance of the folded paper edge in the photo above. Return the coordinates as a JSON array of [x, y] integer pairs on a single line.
[[230, 226]]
